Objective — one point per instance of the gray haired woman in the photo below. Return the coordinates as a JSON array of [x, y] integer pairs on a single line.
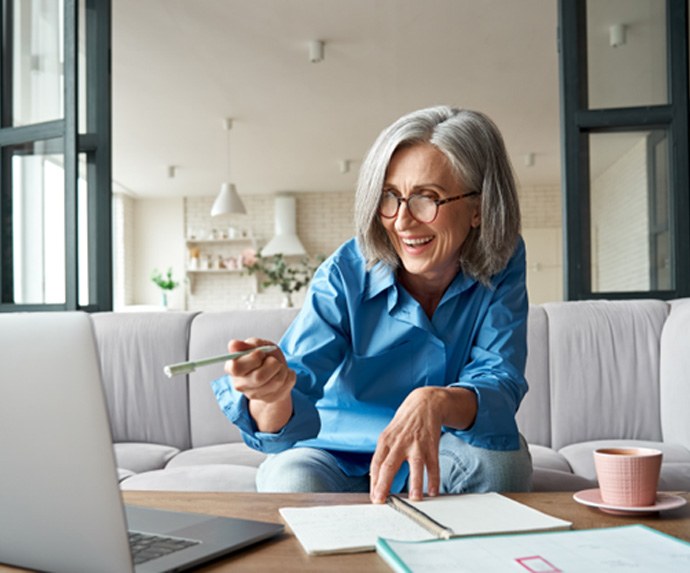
[[405, 367]]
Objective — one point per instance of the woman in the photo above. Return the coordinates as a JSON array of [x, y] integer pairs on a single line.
[[404, 368]]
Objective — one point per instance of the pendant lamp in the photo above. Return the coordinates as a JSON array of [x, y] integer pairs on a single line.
[[228, 200]]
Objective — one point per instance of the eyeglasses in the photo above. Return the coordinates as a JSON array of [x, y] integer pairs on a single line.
[[422, 208]]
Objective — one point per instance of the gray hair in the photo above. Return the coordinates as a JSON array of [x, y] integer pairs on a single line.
[[476, 152]]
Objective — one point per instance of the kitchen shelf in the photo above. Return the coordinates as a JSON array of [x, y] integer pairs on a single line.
[[211, 249]]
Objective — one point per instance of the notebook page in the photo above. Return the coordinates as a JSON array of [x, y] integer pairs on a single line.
[[482, 513], [349, 528]]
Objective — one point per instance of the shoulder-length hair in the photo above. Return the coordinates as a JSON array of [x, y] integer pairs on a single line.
[[476, 152]]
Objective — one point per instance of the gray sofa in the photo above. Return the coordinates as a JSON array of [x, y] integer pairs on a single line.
[[600, 372]]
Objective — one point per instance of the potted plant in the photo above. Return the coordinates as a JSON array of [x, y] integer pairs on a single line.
[[276, 271], [165, 283]]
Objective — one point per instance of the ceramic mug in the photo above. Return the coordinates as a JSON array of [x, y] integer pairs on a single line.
[[628, 477]]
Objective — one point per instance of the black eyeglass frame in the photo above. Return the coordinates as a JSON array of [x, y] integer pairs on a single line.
[[438, 203]]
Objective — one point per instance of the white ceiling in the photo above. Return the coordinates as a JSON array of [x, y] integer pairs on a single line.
[[181, 66]]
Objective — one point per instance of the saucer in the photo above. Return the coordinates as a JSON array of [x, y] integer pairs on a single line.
[[664, 501]]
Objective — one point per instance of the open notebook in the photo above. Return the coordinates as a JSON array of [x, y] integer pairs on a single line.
[[60, 504], [354, 528]]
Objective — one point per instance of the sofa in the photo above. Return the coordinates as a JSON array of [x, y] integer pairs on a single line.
[[600, 373]]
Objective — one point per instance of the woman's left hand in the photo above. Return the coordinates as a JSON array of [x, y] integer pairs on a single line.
[[413, 436]]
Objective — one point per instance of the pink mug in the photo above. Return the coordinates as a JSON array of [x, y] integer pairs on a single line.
[[628, 477]]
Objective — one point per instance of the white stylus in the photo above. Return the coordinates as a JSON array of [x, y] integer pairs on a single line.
[[192, 365]]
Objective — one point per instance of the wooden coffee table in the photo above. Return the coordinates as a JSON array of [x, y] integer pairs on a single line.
[[285, 554]]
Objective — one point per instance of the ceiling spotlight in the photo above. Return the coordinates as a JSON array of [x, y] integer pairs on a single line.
[[344, 165], [617, 35], [316, 49], [529, 159]]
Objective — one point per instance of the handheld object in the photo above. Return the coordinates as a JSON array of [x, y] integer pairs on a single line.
[[187, 367]]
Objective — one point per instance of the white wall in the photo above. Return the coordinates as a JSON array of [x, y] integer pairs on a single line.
[[158, 238], [542, 231]]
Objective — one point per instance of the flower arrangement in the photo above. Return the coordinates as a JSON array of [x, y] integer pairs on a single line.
[[276, 271], [165, 283]]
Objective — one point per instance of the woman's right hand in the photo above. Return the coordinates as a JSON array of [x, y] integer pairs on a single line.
[[265, 379]]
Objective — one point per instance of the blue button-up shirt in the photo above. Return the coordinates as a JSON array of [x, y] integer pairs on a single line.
[[361, 344]]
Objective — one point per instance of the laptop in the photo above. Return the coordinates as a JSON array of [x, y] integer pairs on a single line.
[[60, 503]]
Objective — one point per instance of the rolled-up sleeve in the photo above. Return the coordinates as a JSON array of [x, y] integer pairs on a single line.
[[304, 422], [314, 346]]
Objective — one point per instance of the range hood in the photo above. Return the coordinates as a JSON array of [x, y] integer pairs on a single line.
[[285, 241]]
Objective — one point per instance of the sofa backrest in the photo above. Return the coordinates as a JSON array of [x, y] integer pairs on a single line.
[[674, 374], [534, 415], [604, 369], [143, 404], [210, 334]]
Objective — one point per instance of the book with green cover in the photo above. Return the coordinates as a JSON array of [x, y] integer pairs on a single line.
[[634, 548]]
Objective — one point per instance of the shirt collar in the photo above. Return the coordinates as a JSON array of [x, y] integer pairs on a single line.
[[379, 278], [460, 284], [382, 277]]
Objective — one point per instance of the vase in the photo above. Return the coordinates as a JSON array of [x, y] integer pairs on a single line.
[[164, 299], [287, 301]]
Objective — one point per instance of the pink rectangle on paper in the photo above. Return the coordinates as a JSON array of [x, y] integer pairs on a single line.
[[537, 564]]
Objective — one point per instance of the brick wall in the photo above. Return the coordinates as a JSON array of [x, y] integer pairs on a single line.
[[325, 220]]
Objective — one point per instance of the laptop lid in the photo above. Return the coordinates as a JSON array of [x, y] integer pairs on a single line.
[[60, 503]]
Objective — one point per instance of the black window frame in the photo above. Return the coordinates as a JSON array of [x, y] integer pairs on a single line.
[[94, 144], [578, 121]]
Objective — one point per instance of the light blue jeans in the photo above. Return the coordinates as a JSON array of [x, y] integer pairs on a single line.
[[464, 468]]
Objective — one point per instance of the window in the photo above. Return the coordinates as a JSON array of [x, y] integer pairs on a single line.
[[55, 155], [624, 89]]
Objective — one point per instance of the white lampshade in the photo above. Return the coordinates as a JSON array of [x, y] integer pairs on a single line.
[[285, 241], [228, 201]]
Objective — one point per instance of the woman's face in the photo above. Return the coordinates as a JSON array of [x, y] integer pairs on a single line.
[[428, 250]]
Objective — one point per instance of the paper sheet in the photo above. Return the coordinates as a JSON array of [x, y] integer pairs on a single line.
[[634, 548]]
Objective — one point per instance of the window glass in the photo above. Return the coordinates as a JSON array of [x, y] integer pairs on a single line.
[[83, 69], [38, 60], [626, 53], [38, 217], [631, 235], [83, 226]]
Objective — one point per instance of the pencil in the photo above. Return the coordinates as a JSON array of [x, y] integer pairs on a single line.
[[421, 518], [187, 367]]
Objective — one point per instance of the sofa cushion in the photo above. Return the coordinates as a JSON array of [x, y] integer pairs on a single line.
[[534, 415], [141, 457], [546, 458], [673, 374], [220, 477], [210, 334], [555, 480], [604, 370], [674, 477], [236, 453], [143, 404], [123, 474], [581, 458]]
